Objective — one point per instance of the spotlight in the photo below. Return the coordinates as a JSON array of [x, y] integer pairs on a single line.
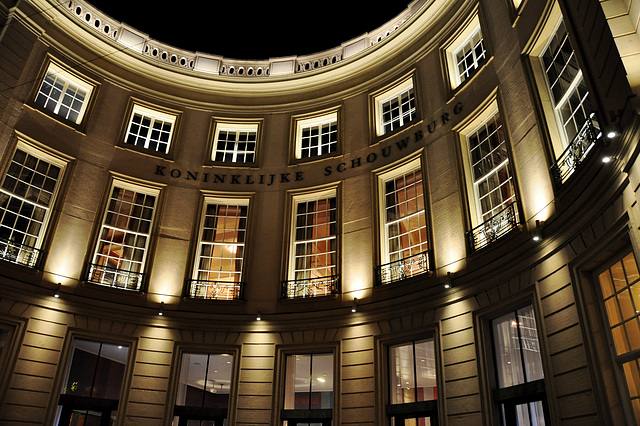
[[161, 311], [612, 134], [57, 293], [606, 158], [259, 317], [536, 234], [354, 305], [448, 283]]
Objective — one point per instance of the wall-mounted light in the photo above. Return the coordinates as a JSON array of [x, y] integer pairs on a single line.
[[354, 305], [612, 133], [259, 316], [448, 283], [536, 233], [57, 292], [161, 311]]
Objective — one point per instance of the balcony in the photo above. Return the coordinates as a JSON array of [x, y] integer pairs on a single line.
[[311, 287], [576, 152], [493, 228], [216, 290], [399, 270], [114, 277], [19, 254]]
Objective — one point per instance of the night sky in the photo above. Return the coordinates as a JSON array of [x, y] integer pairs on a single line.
[[253, 30]]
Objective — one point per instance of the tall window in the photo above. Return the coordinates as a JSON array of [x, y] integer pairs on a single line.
[[491, 189], [620, 291], [395, 107], [308, 393], [465, 53], [317, 135], [412, 383], [64, 94], [235, 142], [314, 250], [204, 389], [123, 241], [26, 197], [93, 383], [150, 129], [404, 225], [470, 55], [219, 262], [576, 128], [520, 390], [567, 88]]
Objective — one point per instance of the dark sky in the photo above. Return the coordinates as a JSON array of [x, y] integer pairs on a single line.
[[253, 30]]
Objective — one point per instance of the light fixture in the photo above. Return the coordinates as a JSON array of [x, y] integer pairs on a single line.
[[606, 158], [161, 311], [612, 134], [57, 293], [259, 317], [536, 233], [448, 283], [354, 305]]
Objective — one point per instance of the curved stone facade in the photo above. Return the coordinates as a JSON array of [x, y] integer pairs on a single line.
[[443, 149]]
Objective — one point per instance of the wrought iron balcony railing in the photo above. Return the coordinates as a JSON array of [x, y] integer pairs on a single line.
[[401, 269], [19, 253], [114, 277], [216, 290], [576, 152], [311, 287], [494, 228]]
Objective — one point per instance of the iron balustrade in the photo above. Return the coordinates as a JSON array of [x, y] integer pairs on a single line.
[[114, 277], [576, 152], [19, 254], [216, 290], [401, 269], [311, 287], [494, 228]]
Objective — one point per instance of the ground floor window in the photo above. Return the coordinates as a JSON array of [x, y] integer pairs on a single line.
[[520, 391], [308, 393], [93, 383], [620, 291], [413, 390], [204, 387]]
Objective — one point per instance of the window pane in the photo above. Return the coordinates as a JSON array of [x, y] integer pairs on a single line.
[[405, 221], [124, 236], [412, 372], [507, 351], [309, 382], [205, 380], [219, 266], [96, 369], [26, 197], [529, 343]]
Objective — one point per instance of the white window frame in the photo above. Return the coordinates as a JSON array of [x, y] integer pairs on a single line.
[[129, 186], [52, 160], [472, 185], [567, 94], [317, 121], [414, 164], [459, 42], [394, 92], [235, 127], [296, 199], [154, 115], [221, 201], [69, 80]]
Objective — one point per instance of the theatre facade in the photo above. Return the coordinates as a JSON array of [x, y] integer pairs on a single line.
[[435, 223]]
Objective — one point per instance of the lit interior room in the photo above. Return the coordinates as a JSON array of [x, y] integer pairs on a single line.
[[418, 216]]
